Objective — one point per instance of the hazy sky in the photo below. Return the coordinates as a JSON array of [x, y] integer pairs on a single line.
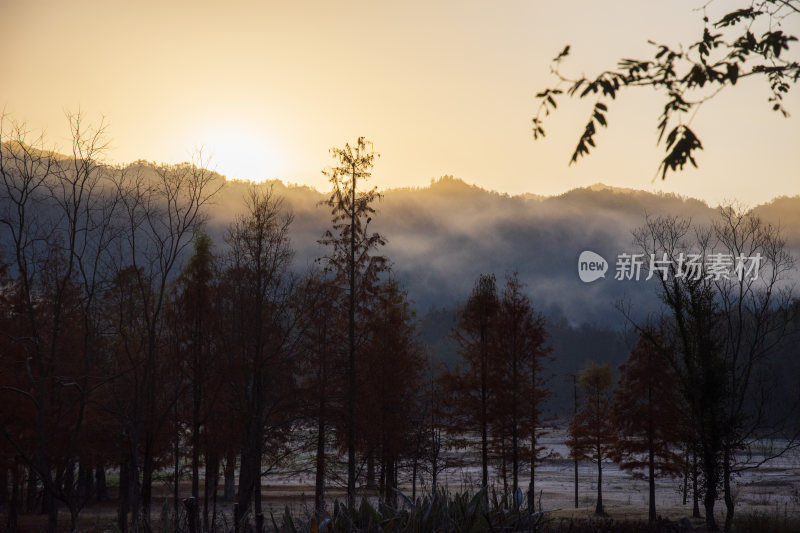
[[439, 87]]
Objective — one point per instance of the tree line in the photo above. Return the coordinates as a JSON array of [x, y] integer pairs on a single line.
[[709, 389], [132, 344]]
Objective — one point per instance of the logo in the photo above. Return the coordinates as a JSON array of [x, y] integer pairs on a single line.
[[591, 266]]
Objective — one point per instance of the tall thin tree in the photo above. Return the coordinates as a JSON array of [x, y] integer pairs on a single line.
[[350, 259]]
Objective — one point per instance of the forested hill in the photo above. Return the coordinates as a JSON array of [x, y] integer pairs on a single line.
[[441, 237]]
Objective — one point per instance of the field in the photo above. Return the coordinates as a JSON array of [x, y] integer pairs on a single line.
[[772, 490]]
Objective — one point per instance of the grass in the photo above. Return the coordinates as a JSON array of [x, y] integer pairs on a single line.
[[439, 512], [759, 522]]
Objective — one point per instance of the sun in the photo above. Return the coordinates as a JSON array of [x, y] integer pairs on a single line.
[[238, 152]]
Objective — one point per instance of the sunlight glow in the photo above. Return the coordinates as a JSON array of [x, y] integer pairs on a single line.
[[238, 152]]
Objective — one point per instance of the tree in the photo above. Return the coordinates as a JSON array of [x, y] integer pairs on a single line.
[[162, 212], [744, 42], [757, 312], [649, 415], [521, 336], [56, 214], [320, 379], [192, 317], [475, 334], [430, 429], [351, 260], [263, 322], [392, 370], [723, 329], [592, 435]]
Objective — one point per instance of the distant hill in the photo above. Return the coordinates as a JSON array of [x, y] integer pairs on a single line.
[[441, 237]]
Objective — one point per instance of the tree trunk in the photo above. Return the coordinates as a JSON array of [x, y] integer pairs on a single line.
[[196, 439], [214, 511], [532, 482], [370, 469], [14, 504], [598, 510], [100, 484], [257, 484], [710, 498], [123, 497], [504, 470], [651, 479], [74, 516], [134, 492], [574, 411], [51, 505], [514, 444], [247, 474], [191, 506], [257, 490], [176, 478], [686, 477], [69, 481], [414, 479], [382, 478], [484, 416], [695, 488], [351, 372], [211, 484], [86, 489], [319, 482], [434, 473], [391, 479], [726, 483], [31, 492], [229, 491], [4, 499], [147, 484]]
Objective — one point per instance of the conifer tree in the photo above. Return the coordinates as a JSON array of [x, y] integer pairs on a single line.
[[649, 415], [592, 435]]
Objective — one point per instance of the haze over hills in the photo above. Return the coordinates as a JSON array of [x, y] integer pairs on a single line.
[[441, 237]]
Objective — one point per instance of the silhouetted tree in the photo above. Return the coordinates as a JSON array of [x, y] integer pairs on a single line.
[[749, 41], [724, 326], [520, 341], [650, 417], [192, 328], [55, 216], [261, 295], [592, 435], [351, 260], [162, 213], [469, 383], [393, 363], [320, 381]]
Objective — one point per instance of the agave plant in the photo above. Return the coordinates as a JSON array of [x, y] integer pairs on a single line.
[[437, 512]]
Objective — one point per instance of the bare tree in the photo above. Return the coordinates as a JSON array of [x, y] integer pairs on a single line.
[[162, 211], [728, 313], [264, 324], [56, 212]]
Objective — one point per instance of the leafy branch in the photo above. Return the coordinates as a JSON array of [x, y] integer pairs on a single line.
[[729, 49]]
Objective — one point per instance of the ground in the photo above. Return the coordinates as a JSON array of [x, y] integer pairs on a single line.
[[773, 489]]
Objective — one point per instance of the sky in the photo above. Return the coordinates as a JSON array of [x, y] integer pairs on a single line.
[[440, 88]]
